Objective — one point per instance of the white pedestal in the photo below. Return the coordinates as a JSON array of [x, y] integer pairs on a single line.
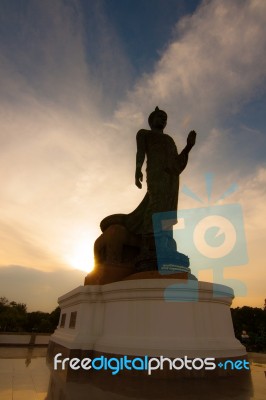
[[135, 317]]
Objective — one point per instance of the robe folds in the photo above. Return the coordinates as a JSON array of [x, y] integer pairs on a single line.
[[164, 165]]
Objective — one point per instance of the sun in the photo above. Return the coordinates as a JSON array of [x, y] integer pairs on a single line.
[[81, 256]]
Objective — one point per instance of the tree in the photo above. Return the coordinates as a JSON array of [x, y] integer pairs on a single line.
[[253, 321], [12, 315], [54, 317]]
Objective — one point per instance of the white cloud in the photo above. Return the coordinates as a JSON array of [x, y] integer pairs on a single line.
[[214, 65]]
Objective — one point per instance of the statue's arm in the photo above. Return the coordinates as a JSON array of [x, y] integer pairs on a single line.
[[182, 158], [140, 157]]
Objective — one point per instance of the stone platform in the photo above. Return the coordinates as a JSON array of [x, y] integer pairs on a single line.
[[147, 317]]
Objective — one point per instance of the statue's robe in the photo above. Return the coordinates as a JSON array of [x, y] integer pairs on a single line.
[[164, 165]]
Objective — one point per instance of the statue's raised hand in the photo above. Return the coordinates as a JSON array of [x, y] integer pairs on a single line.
[[191, 139], [138, 178]]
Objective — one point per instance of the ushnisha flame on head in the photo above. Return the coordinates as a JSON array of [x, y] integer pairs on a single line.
[[152, 115]]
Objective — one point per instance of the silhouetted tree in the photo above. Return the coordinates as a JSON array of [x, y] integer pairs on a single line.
[[54, 317], [14, 318], [252, 320], [12, 315]]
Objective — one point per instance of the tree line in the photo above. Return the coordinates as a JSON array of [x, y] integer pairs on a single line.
[[250, 327], [15, 318], [249, 322]]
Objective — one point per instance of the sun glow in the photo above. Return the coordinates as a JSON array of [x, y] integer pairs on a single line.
[[81, 256]]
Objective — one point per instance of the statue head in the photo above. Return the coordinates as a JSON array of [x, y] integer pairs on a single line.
[[157, 119]]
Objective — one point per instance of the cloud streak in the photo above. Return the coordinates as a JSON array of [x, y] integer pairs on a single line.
[[214, 65], [38, 289]]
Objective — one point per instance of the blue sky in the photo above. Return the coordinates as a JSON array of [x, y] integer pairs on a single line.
[[145, 28], [78, 80]]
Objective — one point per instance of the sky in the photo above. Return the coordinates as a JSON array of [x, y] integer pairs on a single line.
[[78, 80]]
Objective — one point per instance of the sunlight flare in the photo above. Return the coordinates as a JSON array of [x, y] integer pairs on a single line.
[[81, 255]]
